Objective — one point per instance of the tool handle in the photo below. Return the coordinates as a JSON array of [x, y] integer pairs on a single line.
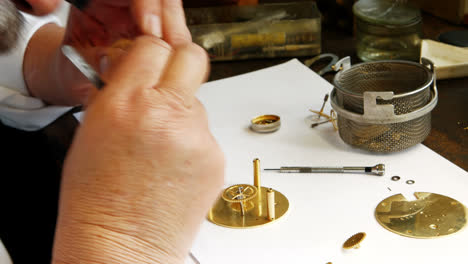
[[310, 170], [80, 4]]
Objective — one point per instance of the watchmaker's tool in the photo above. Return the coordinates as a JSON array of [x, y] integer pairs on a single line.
[[83, 66], [432, 215], [265, 123], [378, 169], [244, 205], [384, 106], [354, 241]]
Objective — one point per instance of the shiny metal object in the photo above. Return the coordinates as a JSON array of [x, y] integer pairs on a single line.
[[378, 169], [328, 68], [265, 123], [194, 259], [384, 106], [396, 178], [244, 206], [354, 241], [82, 66], [430, 216], [410, 182]]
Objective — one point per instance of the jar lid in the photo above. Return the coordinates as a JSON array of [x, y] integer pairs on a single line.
[[387, 12]]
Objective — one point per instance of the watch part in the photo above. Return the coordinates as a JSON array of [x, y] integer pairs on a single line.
[[265, 123], [430, 216], [354, 241]]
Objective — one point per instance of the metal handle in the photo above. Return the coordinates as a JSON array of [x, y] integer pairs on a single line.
[[377, 117]]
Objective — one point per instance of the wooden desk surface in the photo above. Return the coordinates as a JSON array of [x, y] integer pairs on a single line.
[[32, 162]]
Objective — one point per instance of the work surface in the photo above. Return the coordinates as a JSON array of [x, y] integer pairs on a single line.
[[325, 209], [35, 159]]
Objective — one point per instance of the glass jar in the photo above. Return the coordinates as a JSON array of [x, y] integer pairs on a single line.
[[387, 30]]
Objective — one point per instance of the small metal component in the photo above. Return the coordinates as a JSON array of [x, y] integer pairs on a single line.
[[430, 216], [244, 206], [328, 68], [389, 189], [396, 178], [378, 169], [81, 64], [266, 123], [256, 165], [239, 193], [271, 204], [325, 100], [410, 182], [194, 259], [354, 241]]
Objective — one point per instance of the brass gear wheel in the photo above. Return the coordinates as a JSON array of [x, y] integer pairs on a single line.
[[239, 193]]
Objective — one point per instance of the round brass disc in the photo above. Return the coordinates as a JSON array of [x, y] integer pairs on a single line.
[[228, 214], [354, 241], [432, 215]]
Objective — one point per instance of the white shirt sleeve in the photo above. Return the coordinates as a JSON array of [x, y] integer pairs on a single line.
[[17, 108]]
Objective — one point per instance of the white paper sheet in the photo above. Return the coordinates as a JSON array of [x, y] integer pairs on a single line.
[[325, 209]]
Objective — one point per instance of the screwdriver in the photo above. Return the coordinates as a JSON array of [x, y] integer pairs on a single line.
[[378, 169]]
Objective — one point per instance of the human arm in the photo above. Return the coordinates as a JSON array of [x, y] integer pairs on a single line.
[[144, 168], [17, 108]]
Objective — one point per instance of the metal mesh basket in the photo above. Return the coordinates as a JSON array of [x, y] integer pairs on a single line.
[[384, 106]]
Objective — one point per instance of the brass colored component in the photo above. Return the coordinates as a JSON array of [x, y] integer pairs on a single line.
[[244, 205], [410, 182], [329, 118], [354, 241], [266, 123], [271, 204], [227, 214], [239, 193], [256, 164], [396, 178], [432, 215]]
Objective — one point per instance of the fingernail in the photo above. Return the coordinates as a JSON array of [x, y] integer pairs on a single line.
[[152, 25], [104, 64]]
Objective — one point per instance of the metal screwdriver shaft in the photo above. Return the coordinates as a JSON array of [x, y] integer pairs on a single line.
[[378, 169]]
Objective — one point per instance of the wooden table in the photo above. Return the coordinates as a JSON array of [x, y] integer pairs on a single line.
[[32, 162]]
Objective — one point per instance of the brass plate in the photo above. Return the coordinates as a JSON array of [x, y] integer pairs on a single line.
[[432, 215], [228, 214], [354, 241]]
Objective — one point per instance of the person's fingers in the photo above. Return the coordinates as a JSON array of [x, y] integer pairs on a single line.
[[175, 30], [141, 67], [43, 7], [147, 14], [186, 71]]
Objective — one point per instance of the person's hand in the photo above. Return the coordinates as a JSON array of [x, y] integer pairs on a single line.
[[161, 18], [143, 169], [101, 32]]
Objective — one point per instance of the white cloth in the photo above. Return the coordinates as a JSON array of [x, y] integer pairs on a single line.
[[17, 108]]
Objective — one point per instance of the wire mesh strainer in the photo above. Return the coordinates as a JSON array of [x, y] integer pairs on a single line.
[[384, 106]]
